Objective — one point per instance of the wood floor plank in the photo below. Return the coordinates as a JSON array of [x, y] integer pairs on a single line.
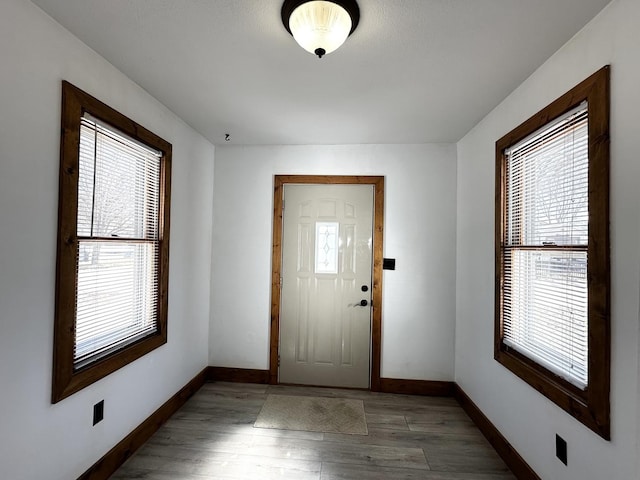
[[472, 441], [126, 473], [234, 387], [182, 461], [318, 392], [386, 422], [454, 462], [441, 421], [338, 471], [342, 471], [191, 424], [231, 417], [222, 407]]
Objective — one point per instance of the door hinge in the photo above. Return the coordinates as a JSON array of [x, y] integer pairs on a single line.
[[278, 360], [280, 282]]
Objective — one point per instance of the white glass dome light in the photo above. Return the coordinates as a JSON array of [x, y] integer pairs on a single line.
[[320, 26]]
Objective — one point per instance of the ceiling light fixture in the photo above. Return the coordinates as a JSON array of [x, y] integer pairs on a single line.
[[320, 26]]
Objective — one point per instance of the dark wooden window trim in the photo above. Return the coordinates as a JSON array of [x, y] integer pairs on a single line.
[[589, 406], [376, 298], [66, 380]]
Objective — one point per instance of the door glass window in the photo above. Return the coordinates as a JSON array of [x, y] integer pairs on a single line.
[[327, 247]]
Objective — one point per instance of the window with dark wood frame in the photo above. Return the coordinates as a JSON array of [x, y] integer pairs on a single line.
[[552, 292], [113, 243]]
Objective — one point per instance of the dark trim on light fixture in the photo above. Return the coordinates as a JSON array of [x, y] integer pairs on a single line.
[[351, 6]]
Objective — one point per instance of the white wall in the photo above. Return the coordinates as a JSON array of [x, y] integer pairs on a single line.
[[527, 419], [419, 231], [39, 440]]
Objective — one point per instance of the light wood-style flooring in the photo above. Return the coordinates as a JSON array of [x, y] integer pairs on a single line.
[[410, 437]]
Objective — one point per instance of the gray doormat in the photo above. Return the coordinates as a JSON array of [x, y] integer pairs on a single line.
[[313, 414]]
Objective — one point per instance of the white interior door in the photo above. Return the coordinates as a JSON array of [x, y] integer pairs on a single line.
[[325, 319]]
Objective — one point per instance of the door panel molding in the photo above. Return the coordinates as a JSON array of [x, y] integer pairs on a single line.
[[276, 263]]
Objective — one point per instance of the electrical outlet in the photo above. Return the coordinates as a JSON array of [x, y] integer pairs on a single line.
[[561, 449], [98, 412]]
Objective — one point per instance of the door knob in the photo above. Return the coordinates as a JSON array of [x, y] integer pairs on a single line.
[[363, 303]]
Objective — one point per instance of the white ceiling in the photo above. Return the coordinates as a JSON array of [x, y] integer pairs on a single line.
[[414, 71]]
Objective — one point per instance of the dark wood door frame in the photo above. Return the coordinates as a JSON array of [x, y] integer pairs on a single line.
[[276, 263]]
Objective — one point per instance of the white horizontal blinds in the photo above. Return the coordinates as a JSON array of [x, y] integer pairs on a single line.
[[119, 184], [118, 240], [545, 250]]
